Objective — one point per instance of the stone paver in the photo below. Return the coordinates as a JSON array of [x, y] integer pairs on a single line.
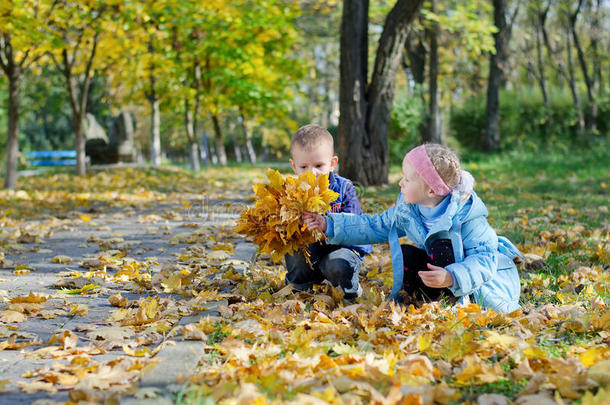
[[177, 361], [142, 241]]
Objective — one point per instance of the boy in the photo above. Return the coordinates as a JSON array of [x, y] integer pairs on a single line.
[[311, 148]]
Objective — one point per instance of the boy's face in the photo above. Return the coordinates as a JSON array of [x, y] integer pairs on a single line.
[[414, 189], [319, 159]]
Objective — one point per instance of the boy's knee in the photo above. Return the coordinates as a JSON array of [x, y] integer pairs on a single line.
[[340, 266], [337, 270], [300, 273]]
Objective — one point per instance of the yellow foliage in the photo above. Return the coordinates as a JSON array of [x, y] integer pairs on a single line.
[[275, 221]]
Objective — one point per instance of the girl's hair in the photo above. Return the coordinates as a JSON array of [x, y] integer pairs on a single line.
[[446, 163]]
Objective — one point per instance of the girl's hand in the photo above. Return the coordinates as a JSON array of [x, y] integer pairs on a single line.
[[437, 277], [314, 221]]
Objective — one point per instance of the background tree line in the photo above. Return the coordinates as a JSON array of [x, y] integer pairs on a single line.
[[483, 75]]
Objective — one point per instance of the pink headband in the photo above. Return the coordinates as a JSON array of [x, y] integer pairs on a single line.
[[423, 166]]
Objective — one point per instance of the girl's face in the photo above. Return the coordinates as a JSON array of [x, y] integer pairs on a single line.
[[414, 189]]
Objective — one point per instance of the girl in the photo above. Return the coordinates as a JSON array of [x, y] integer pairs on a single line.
[[457, 252]]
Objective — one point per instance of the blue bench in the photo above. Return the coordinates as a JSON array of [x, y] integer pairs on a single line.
[[52, 158]]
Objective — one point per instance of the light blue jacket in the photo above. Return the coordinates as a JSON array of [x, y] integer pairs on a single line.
[[483, 267]]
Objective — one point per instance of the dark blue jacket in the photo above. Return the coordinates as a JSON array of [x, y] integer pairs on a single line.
[[346, 202]]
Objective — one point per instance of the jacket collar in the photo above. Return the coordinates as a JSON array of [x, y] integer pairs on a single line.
[[332, 180], [458, 211]]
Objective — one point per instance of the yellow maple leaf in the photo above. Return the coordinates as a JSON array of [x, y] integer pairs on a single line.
[[32, 298], [593, 355], [477, 371], [275, 179]]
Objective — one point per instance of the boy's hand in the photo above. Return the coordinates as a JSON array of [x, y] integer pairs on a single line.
[[314, 221], [437, 277]]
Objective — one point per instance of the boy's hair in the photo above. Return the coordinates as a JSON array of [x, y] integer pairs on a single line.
[[446, 163], [310, 136]]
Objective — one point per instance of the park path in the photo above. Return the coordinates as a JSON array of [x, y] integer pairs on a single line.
[[148, 236]]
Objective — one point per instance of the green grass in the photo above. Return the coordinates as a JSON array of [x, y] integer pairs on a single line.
[[504, 387], [217, 335]]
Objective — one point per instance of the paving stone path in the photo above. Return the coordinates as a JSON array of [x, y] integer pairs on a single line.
[[145, 233]]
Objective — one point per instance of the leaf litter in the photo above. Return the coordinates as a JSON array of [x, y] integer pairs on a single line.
[[265, 343]]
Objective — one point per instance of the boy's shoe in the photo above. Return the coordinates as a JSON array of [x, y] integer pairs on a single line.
[[353, 295]]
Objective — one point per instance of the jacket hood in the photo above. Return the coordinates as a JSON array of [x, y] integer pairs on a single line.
[[467, 207]]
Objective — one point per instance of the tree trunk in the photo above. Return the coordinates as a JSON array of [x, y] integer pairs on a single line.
[[205, 151], [540, 61], [434, 114], [597, 59], [416, 54], [213, 154], [194, 149], [190, 134], [353, 140], [592, 119], [364, 116], [496, 67], [194, 157], [12, 144], [155, 113], [220, 147], [13, 71], [265, 154], [572, 82], [78, 115], [79, 145], [155, 128], [79, 105], [248, 137], [79, 94], [235, 141], [555, 63], [237, 150]]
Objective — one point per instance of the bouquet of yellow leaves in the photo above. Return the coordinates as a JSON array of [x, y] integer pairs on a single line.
[[275, 221]]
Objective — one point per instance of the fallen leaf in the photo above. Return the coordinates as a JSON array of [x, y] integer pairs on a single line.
[[111, 333], [35, 386], [12, 316], [32, 298], [117, 300], [62, 259], [600, 373]]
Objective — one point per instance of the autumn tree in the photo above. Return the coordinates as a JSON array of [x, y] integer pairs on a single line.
[[592, 78], [152, 69], [81, 40], [318, 47], [442, 52], [245, 62], [186, 37], [21, 23], [269, 74], [571, 73]]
